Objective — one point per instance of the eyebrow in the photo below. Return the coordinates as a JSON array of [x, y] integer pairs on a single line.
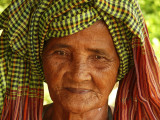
[[98, 51], [61, 46]]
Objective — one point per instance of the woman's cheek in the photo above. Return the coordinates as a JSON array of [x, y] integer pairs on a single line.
[[50, 66], [105, 77]]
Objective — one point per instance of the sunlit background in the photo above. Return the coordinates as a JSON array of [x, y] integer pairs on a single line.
[[151, 12]]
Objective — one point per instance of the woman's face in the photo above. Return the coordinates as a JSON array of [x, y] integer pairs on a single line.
[[81, 69]]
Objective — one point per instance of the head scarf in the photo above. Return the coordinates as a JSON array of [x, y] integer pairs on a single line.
[[27, 24]]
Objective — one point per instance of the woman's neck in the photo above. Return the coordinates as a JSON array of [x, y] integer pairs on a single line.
[[56, 112]]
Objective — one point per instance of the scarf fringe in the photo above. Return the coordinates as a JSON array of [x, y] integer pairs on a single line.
[[138, 97], [22, 108]]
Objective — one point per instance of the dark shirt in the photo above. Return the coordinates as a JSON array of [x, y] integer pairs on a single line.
[[110, 117]]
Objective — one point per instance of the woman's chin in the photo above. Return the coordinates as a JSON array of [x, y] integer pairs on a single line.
[[78, 108], [79, 103]]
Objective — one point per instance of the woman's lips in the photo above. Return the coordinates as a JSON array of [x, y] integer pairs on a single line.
[[78, 90]]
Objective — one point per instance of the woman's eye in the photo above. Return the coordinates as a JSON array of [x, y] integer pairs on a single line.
[[100, 61], [98, 57], [61, 53]]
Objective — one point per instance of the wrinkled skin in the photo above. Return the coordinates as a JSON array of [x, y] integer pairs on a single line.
[[81, 71]]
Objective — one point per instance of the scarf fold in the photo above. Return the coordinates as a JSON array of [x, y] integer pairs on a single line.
[[27, 24]]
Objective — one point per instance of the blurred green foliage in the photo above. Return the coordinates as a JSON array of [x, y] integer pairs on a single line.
[[151, 12], [4, 4]]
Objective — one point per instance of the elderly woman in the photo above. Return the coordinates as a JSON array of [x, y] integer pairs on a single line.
[[80, 48]]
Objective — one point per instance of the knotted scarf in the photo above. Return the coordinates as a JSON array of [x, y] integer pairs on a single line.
[[27, 24]]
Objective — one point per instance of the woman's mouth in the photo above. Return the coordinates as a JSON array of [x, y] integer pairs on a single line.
[[78, 90]]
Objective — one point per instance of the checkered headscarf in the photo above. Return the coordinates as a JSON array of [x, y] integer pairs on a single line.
[[27, 24]]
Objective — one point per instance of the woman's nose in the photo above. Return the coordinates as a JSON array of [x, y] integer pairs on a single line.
[[81, 72]]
